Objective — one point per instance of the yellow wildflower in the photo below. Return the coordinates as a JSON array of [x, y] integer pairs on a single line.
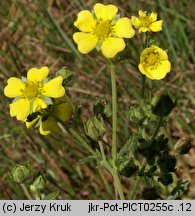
[[154, 63], [61, 109], [102, 30], [147, 22], [32, 93]]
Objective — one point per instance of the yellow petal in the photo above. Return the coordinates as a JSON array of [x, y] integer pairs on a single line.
[[33, 122], [85, 21], [54, 88], [135, 21], [162, 54], [38, 104], [156, 26], [111, 46], [143, 29], [14, 87], [49, 126], [85, 41], [20, 109], [123, 28], [37, 75], [153, 17], [105, 12], [142, 13], [157, 73]]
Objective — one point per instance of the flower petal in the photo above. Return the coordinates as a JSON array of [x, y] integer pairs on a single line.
[[111, 46], [158, 73], [144, 29], [37, 75], [123, 28], [85, 21], [54, 88], [20, 109], [153, 16], [156, 26], [142, 13], [33, 122], [105, 12], [135, 21], [48, 126], [14, 87], [85, 41], [38, 104]]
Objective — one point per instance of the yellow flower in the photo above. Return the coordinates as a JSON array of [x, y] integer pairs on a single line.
[[147, 22], [154, 63], [32, 93], [61, 109], [103, 30]]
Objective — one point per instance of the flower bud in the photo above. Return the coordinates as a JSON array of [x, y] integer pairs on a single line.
[[162, 104], [183, 145], [167, 163], [38, 185], [101, 107], [20, 172], [135, 114], [95, 128], [150, 193], [166, 178], [128, 168]]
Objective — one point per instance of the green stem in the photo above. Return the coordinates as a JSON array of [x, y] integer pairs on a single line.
[[114, 112], [102, 150], [118, 184], [26, 191], [138, 180], [143, 86], [83, 142]]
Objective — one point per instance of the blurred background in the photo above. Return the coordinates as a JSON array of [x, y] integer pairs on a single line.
[[37, 33]]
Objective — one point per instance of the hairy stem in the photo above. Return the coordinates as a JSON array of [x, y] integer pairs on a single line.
[[114, 112], [26, 192]]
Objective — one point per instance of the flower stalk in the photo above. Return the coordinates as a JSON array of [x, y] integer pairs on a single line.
[[114, 113]]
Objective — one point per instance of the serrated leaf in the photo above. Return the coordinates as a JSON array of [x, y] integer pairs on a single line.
[[51, 196], [178, 190]]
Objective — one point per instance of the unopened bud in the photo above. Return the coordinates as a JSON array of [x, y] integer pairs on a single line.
[[103, 108], [162, 104], [38, 185], [166, 178], [167, 163], [95, 128], [183, 145], [20, 172], [128, 168]]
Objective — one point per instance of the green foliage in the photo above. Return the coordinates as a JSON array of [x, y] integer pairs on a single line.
[[178, 191]]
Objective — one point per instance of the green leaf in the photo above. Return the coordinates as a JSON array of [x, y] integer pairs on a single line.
[[178, 190], [51, 196], [87, 159]]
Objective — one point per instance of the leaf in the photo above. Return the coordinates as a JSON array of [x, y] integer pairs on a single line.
[[51, 196], [178, 190], [87, 159], [128, 144]]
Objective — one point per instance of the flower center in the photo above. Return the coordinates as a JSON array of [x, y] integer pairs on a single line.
[[145, 21], [31, 90], [103, 28], [151, 58]]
